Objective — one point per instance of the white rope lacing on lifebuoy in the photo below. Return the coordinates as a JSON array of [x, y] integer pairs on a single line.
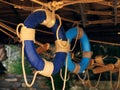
[[61, 46], [24, 37], [65, 79]]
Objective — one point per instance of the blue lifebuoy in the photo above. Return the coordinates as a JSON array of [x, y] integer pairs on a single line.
[[70, 34], [35, 60]]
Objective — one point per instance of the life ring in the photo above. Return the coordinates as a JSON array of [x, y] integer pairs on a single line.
[[46, 18], [82, 65]]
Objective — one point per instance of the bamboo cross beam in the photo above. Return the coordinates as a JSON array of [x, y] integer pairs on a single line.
[[7, 27], [6, 33], [106, 3], [106, 13]]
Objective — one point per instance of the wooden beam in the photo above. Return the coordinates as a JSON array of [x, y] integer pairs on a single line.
[[98, 12], [100, 21], [83, 16], [106, 3]]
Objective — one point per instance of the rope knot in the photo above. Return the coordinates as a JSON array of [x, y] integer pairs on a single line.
[[53, 6]]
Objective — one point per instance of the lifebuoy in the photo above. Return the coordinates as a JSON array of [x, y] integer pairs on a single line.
[[79, 67], [46, 18]]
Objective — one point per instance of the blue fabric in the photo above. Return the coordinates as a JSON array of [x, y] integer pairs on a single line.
[[70, 34], [31, 22]]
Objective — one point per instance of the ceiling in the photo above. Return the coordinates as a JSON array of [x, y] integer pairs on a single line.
[[100, 19]]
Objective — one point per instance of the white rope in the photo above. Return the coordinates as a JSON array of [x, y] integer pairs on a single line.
[[118, 82], [65, 75], [23, 67]]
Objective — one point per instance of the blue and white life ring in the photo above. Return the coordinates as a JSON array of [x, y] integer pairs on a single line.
[[80, 67], [46, 18]]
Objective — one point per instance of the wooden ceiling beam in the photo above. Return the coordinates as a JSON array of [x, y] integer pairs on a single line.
[[83, 16], [98, 12], [106, 3]]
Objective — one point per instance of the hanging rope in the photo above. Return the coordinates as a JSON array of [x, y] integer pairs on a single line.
[[32, 37], [77, 37], [82, 80], [118, 82], [90, 81]]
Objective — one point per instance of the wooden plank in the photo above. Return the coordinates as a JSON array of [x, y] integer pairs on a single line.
[[98, 12], [106, 3]]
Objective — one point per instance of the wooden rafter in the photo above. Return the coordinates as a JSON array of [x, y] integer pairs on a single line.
[[98, 12], [106, 3]]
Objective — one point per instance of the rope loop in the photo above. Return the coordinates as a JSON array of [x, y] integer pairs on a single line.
[[17, 29]]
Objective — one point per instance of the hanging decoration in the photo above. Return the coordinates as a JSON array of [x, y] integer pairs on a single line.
[[80, 34], [27, 36]]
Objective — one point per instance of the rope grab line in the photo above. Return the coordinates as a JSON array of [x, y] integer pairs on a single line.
[[53, 5], [27, 36]]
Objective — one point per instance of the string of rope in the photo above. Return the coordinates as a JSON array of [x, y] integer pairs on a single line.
[[35, 75], [55, 4], [65, 75], [58, 5], [90, 81], [62, 76], [58, 28], [75, 40], [57, 32], [23, 67], [118, 81], [52, 81], [82, 80]]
